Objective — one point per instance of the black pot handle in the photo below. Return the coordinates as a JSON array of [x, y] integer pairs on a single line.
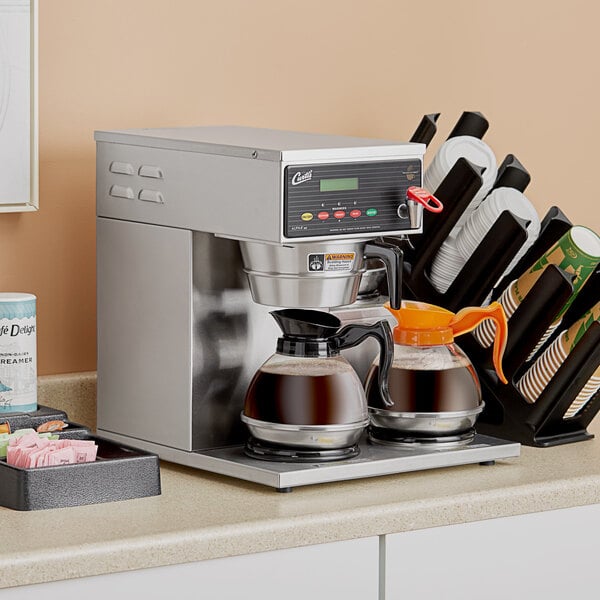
[[353, 334], [392, 257]]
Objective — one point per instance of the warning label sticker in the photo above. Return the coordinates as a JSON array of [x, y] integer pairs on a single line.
[[340, 262]]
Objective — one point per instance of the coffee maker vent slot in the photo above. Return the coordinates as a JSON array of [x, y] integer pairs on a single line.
[[121, 168], [151, 196], [151, 171], [121, 191]]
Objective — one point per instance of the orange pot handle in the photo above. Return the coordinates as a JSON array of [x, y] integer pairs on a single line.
[[467, 319]]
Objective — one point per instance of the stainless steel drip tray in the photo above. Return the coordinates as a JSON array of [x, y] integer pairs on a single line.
[[373, 460]]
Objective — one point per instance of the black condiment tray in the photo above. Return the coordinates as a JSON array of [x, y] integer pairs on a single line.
[[120, 472], [507, 413]]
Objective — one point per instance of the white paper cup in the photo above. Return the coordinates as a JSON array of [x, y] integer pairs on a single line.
[[482, 219], [446, 265], [475, 151]]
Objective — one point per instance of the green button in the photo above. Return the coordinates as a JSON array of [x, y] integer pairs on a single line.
[[307, 216], [371, 212]]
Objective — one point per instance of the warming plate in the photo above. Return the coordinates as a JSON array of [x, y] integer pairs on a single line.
[[371, 462]]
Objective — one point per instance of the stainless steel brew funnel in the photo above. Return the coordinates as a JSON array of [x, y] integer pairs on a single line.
[[316, 274]]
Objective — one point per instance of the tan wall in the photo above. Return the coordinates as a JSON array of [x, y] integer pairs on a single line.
[[349, 67]]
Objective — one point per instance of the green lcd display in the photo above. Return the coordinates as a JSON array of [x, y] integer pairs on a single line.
[[339, 185]]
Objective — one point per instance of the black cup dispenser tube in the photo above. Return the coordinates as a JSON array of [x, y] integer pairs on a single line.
[[471, 123], [512, 174], [426, 129]]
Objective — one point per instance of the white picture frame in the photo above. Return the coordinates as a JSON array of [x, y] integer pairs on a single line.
[[19, 154]]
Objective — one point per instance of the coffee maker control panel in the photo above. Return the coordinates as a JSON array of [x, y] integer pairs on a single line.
[[348, 198]]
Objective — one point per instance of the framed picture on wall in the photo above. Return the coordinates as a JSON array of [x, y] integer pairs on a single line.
[[18, 106]]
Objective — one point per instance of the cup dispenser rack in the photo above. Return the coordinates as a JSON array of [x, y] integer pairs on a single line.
[[507, 413]]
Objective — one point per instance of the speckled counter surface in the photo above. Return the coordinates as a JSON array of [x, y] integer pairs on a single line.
[[202, 516]]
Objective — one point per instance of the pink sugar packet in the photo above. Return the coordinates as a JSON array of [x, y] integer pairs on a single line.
[[85, 453], [44, 460], [11, 452], [24, 441], [66, 443], [64, 456], [31, 451], [21, 457], [35, 458]]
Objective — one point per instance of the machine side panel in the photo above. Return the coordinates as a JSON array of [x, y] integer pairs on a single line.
[[225, 195], [145, 332]]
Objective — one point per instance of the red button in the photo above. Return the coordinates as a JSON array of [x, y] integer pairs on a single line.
[[355, 213], [339, 214], [323, 215]]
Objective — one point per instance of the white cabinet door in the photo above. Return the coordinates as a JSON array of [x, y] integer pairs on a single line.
[[348, 570], [542, 556]]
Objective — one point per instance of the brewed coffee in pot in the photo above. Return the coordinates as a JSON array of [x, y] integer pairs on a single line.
[[307, 395]]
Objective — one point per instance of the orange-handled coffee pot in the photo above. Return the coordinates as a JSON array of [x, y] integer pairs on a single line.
[[421, 324], [434, 390]]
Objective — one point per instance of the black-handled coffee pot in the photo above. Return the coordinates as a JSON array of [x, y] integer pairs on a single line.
[[307, 395]]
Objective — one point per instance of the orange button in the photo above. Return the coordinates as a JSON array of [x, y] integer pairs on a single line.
[[339, 214], [355, 213], [323, 215]]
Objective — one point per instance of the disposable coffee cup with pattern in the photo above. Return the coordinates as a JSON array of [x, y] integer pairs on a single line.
[[486, 331], [537, 377], [589, 390], [579, 328], [543, 339], [577, 252]]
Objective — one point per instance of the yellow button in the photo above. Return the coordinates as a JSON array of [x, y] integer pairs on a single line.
[[307, 216]]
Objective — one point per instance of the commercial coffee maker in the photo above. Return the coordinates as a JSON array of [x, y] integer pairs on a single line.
[[200, 233]]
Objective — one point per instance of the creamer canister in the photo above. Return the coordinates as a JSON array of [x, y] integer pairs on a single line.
[[18, 356]]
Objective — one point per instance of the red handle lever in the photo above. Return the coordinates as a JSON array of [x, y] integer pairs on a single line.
[[427, 199]]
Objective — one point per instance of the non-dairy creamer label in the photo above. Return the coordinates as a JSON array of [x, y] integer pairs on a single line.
[[331, 262], [18, 357]]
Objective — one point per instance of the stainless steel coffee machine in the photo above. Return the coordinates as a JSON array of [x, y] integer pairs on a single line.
[[200, 233]]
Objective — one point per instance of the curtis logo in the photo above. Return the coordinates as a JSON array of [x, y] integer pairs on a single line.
[[299, 177]]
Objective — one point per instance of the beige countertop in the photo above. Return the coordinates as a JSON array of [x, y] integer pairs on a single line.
[[201, 516]]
